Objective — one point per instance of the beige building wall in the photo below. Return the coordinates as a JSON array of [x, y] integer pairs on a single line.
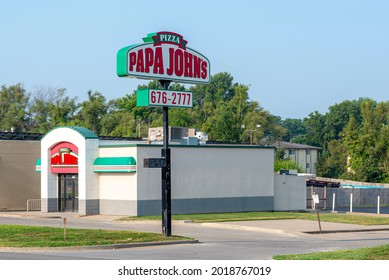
[[289, 193], [118, 191], [209, 179], [18, 179], [205, 179]]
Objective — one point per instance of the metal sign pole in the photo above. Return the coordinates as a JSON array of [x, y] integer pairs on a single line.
[[316, 201], [130, 63], [166, 173], [318, 216]]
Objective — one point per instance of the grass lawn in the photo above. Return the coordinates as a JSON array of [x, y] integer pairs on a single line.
[[373, 253], [251, 216], [32, 236]]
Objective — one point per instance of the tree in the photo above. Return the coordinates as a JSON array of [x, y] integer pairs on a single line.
[[333, 161], [338, 115], [286, 164], [50, 108], [219, 89], [14, 108], [315, 124], [180, 117], [295, 129], [255, 122], [222, 126], [92, 112], [368, 144]]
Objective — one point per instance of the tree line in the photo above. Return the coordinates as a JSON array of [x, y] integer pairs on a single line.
[[222, 109], [353, 135]]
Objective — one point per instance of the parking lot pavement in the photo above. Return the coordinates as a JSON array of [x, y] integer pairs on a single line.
[[293, 227], [232, 240]]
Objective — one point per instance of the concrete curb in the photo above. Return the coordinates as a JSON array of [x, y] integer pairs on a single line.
[[98, 247], [347, 230]]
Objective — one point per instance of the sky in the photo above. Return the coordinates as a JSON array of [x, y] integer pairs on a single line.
[[296, 56]]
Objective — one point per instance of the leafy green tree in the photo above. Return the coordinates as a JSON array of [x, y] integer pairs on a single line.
[[180, 117], [286, 164], [295, 128], [92, 112], [333, 161], [222, 126], [368, 144], [338, 116], [14, 108], [50, 108], [239, 103], [220, 88], [315, 124], [255, 123], [126, 126]]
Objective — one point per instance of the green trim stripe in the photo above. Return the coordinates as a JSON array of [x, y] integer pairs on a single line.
[[114, 164], [38, 165]]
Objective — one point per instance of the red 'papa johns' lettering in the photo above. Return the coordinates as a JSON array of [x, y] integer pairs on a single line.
[[181, 63]]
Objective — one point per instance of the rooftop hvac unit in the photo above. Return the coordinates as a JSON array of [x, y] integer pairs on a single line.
[[202, 136]]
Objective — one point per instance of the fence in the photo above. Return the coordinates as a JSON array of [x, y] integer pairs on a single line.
[[33, 205], [361, 197]]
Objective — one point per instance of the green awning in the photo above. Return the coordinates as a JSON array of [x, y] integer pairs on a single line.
[[114, 164], [38, 165]]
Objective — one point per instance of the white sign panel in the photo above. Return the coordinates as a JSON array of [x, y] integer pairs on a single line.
[[164, 56]]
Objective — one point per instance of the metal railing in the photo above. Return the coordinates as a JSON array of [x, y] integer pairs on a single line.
[[33, 205]]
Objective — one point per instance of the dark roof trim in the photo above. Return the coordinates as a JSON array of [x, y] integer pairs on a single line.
[[289, 145], [20, 136]]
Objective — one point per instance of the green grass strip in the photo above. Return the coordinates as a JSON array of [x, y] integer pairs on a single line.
[[32, 236], [373, 253], [255, 216]]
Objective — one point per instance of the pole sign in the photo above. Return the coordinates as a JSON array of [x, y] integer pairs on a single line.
[[163, 56], [159, 97]]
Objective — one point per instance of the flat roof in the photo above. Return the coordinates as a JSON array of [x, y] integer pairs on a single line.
[[290, 145], [4, 135], [237, 146]]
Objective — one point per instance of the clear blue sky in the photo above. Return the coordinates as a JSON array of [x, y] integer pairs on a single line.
[[297, 56]]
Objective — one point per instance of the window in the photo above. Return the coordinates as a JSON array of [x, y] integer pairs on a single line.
[[292, 152], [308, 152]]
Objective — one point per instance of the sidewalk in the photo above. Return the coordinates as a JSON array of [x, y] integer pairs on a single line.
[[296, 227]]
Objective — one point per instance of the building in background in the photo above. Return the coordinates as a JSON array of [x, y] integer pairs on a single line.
[[304, 155]]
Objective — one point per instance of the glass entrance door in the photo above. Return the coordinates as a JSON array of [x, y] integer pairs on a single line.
[[68, 192]]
